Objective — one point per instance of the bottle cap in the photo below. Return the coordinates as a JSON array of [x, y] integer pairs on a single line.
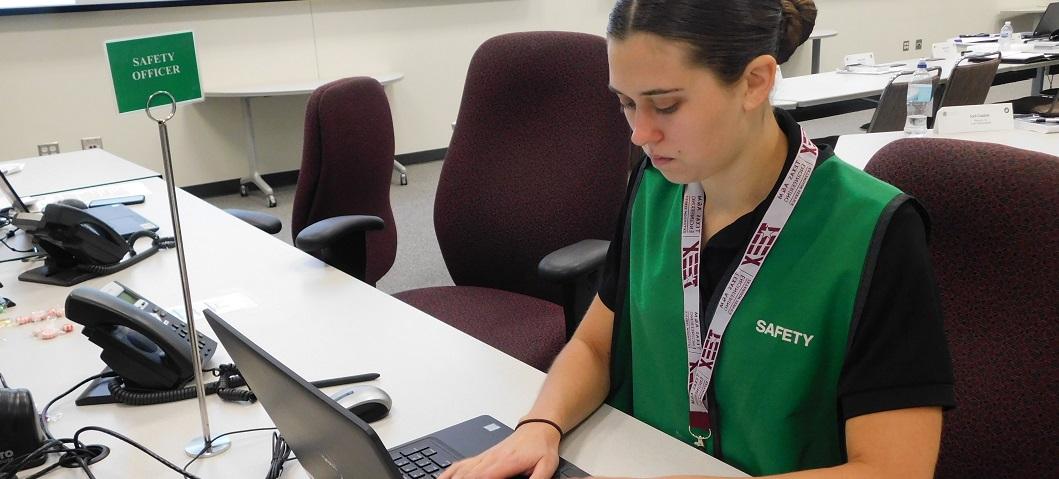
[[922, 63]]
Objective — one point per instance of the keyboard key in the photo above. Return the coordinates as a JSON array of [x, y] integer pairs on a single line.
[[415, 457], [409, 468], [400, 461], [408, 451], [431, 468], [428, 452], [424, 462], [416, 474], [442, 463]]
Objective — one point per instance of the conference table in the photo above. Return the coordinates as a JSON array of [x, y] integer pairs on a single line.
[[49, 174], [858, 149], [830, 93], [247, 92], [319, 322]]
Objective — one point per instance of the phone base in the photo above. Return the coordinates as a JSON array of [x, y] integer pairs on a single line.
[[50, 275], [97, 392]]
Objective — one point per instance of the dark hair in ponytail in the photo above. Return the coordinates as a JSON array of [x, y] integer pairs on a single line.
[[724, 35]]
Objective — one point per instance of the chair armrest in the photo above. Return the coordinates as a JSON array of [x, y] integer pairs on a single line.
[[574, 261], [323, 233], [262, 221]]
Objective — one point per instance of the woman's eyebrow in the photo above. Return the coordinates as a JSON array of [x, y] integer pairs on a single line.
[[652, 92]]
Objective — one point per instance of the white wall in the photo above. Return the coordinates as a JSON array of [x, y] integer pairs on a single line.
[[54, 84]]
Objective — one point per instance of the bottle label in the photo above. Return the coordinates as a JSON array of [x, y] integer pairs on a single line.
[[919, 93]]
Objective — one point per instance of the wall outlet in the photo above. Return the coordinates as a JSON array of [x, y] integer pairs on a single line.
[[919, 44], [91, 143], [48, 148], [904, 45]]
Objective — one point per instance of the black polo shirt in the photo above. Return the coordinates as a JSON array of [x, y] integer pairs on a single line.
[[897, 357]]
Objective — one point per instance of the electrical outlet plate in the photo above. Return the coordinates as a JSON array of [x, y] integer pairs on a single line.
[[91, 142], [919, 44], [48, 148], [904, 45]]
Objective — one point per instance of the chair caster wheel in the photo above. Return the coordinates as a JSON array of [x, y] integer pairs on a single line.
[[243, 190], [271, 201], [404, 180]]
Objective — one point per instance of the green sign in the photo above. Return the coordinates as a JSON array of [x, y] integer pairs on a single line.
[[142, 66]]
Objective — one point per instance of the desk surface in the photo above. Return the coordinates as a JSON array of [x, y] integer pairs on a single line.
[[858, 149], [829, 87], [321, 323], [51, 173], [1024, 10], [286, 88]]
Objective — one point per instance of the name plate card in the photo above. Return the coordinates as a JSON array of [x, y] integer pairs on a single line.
[[971, 118]]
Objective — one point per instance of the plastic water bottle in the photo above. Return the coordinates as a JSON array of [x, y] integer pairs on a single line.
[[920, 100], [1004, 43]]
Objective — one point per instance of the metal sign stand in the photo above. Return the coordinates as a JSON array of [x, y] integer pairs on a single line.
[[200, 446]]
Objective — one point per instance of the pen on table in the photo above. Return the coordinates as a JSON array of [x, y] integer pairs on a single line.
[[359, 378]]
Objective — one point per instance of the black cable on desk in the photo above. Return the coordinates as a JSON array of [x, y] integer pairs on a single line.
[[135, 444], [44, 412]]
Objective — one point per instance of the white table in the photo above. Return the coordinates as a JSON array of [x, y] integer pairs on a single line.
[[831, 87], [816, 36], [51, 173], [858, 149], [1024, 10], [247, 92], [321, 323]]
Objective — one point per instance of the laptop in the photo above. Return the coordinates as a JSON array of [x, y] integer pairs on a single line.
[[1048, 23], [331, 442], [121, 218]]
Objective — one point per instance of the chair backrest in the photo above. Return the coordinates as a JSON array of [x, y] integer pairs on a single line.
[[347, 161], [970, 81], [995, 248], [893, 103], [538, 160]]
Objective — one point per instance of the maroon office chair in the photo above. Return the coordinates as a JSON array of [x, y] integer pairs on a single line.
[[342, 208], [538, 162], [995, 249]]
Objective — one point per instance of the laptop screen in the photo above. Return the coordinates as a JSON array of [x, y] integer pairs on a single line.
[[329, 441], [1049, 21], [12, 197]]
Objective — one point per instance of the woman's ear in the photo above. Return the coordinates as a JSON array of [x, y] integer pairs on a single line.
[[759, 78]]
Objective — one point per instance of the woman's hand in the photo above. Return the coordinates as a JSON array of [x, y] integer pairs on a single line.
[[532, 450]]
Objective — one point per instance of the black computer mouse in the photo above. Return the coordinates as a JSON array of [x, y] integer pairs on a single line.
[[369, 403]]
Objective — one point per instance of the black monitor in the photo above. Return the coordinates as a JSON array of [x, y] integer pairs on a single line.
[[1049, 22]]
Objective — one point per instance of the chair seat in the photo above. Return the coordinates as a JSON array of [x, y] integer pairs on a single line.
[[528, 328]]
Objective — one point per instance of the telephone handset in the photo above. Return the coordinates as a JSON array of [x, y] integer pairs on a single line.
[[80, 246], [147, 346]]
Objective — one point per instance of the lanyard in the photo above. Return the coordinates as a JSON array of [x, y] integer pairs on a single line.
[[703, 352]]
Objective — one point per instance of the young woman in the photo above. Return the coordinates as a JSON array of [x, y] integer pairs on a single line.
[[763, 301]]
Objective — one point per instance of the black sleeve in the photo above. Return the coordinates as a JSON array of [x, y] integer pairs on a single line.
[[608, 280], [898, 356]]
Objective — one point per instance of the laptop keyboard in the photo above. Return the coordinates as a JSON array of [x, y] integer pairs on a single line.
[[419, 462], [425, 462]]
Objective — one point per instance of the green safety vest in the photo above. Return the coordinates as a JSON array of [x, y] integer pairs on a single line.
[[775, 390]]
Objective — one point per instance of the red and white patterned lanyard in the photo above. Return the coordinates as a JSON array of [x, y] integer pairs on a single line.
[[704, 351]]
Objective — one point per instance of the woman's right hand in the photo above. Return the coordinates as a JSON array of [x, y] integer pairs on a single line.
[[532, 450]]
